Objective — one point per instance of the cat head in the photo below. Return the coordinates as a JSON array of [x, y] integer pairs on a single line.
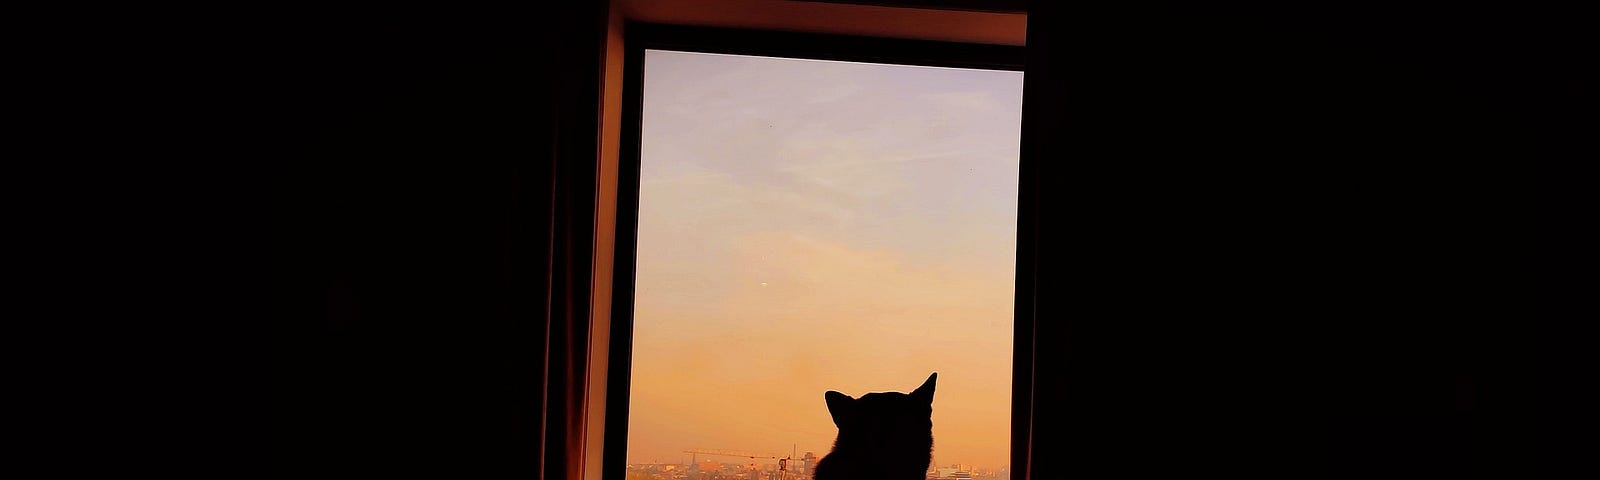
[[884, 416]]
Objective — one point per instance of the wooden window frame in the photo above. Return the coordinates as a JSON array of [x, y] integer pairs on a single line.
[[612, 327]]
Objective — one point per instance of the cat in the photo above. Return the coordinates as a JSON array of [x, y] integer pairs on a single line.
[[882, 435]]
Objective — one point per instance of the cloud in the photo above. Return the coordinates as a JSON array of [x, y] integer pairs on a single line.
[[970, 100]]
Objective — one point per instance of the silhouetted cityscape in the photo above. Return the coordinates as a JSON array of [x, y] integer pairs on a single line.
[[786, 468]]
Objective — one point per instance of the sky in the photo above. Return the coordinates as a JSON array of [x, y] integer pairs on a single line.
[[809, 225]]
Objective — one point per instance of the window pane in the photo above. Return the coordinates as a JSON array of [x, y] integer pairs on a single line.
[[807, 226]]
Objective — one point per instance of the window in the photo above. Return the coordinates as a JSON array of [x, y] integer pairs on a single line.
[[802, 213]]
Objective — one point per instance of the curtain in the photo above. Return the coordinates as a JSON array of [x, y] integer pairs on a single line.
[[432, 240]]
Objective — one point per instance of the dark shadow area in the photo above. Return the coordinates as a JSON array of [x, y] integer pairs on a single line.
[[432, 240], [1296, 242]]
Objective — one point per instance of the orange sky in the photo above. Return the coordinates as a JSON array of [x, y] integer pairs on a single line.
[[807, 226]]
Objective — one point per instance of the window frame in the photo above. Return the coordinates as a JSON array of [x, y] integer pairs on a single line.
[[772, 43]]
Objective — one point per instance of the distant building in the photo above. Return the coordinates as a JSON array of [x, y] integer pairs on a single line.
[[808, 460], [953, 472]]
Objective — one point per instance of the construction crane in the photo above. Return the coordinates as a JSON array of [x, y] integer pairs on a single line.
[[730, 453]]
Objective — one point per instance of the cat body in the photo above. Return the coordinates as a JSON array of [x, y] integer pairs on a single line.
[[882, 435]]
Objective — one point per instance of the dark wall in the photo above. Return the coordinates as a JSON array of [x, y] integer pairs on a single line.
[[425, 237], [1287, 242]]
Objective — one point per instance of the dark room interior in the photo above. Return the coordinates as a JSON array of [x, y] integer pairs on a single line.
[[1267, 241]]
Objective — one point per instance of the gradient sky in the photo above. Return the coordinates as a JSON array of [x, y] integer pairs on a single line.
[[807, 226]]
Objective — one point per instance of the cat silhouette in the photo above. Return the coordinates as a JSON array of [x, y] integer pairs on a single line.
[[882, 435]]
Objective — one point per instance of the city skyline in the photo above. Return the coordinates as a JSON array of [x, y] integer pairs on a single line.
[[807, 226]]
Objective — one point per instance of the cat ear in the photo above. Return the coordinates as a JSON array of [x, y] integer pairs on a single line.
[[925, 392], [839, 405]]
